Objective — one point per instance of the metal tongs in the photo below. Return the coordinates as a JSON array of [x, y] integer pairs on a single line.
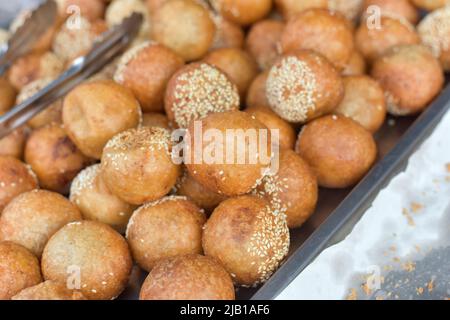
[[104, 50], [25, 37]]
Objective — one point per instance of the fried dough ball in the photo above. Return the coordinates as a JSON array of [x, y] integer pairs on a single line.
[[119, 10], [237, 64], [15, 178], [247, 238], [95, 111], [71, 43], [169, 227], [351, 9], [13, 144], [263, 42], [290, 8], [49, 290], [256, 95], [430, 5], [19, 269], [190, 277], [228, 165], [372, 41], [356, 65], [396, 8], [364, 102], [7, 96], [411, 78], [54, 158], [434, 31], [327, 33], [34, 66], [197, 193], [197, 90], [154, 5], [146, 70], [154, 119], [92, 10], [292, 190], [243, 12], [185, 26], [91, 195], [272, 121], [52, 114], [338, 149], [137, 165], [228, 34], [303, 86], [100, 254], [33, 217]]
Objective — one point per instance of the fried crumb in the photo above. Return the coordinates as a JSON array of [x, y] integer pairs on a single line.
[[365, 287], [408, 217], [430, 286], [416, 207], [419, 291], [409, 266], [353, 295]]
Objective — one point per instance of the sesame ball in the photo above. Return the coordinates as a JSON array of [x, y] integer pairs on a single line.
[[243, 12], [49, 290], [119, 10], [291, 8]]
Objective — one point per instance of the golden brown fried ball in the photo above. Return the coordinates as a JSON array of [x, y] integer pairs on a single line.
[[7, 95], [434, 30], [169, 227], [92, 10], [154, 119], [292, 189], [356, 65], [302, 86], [247, 238], [15, 178], [243, 12], [19, 269], [91, 195], [290, 8], [237, 64], [49, 290], [146, 70], [410, 76], [13, 144], [351, 9], [33, 217], [263, 42], [90, 253], [185, 26], [190, 277], [364, 102], [95, 111], [197, 90], [325, 32], [54, 158], [137, 165], [339, 150], [233, 168], [372, 41], [396, 8], [256, 95], [197, 193], [228, 34], [119, 10], [430, 5]]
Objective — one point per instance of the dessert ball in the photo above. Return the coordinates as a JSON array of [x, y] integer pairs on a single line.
[[290, 8], [430, 5], [356, 65], [137, 165], [185, 26], [237, 64], [20, 269], [292, 190], [52, 114], [263, 42], [247, 238], [54, 158], [402, 9], [15, 178], [7, 95], [33, 217], [145, 70], [232, 156], [302, 86], [92, 10], [197, 90], [71, 43], [14, 143], [372, 41], [154, 119], [228, 34], [410, 76], [189, 277], [286, 133], [243, 12], [169, 227], [91, 195], [364, 102], [256, 95], [95, 253], [351, 9], [434, 30], [327, 33], [119, 10], [34, 66], [49, 290], [197, 193], [95, 111], [339, 150]]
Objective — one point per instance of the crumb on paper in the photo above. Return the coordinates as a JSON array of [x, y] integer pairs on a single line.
[[416, 207], [409, 266], [353, 295], [419, 291], [408, 217], [366, 288], [430, 286]]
